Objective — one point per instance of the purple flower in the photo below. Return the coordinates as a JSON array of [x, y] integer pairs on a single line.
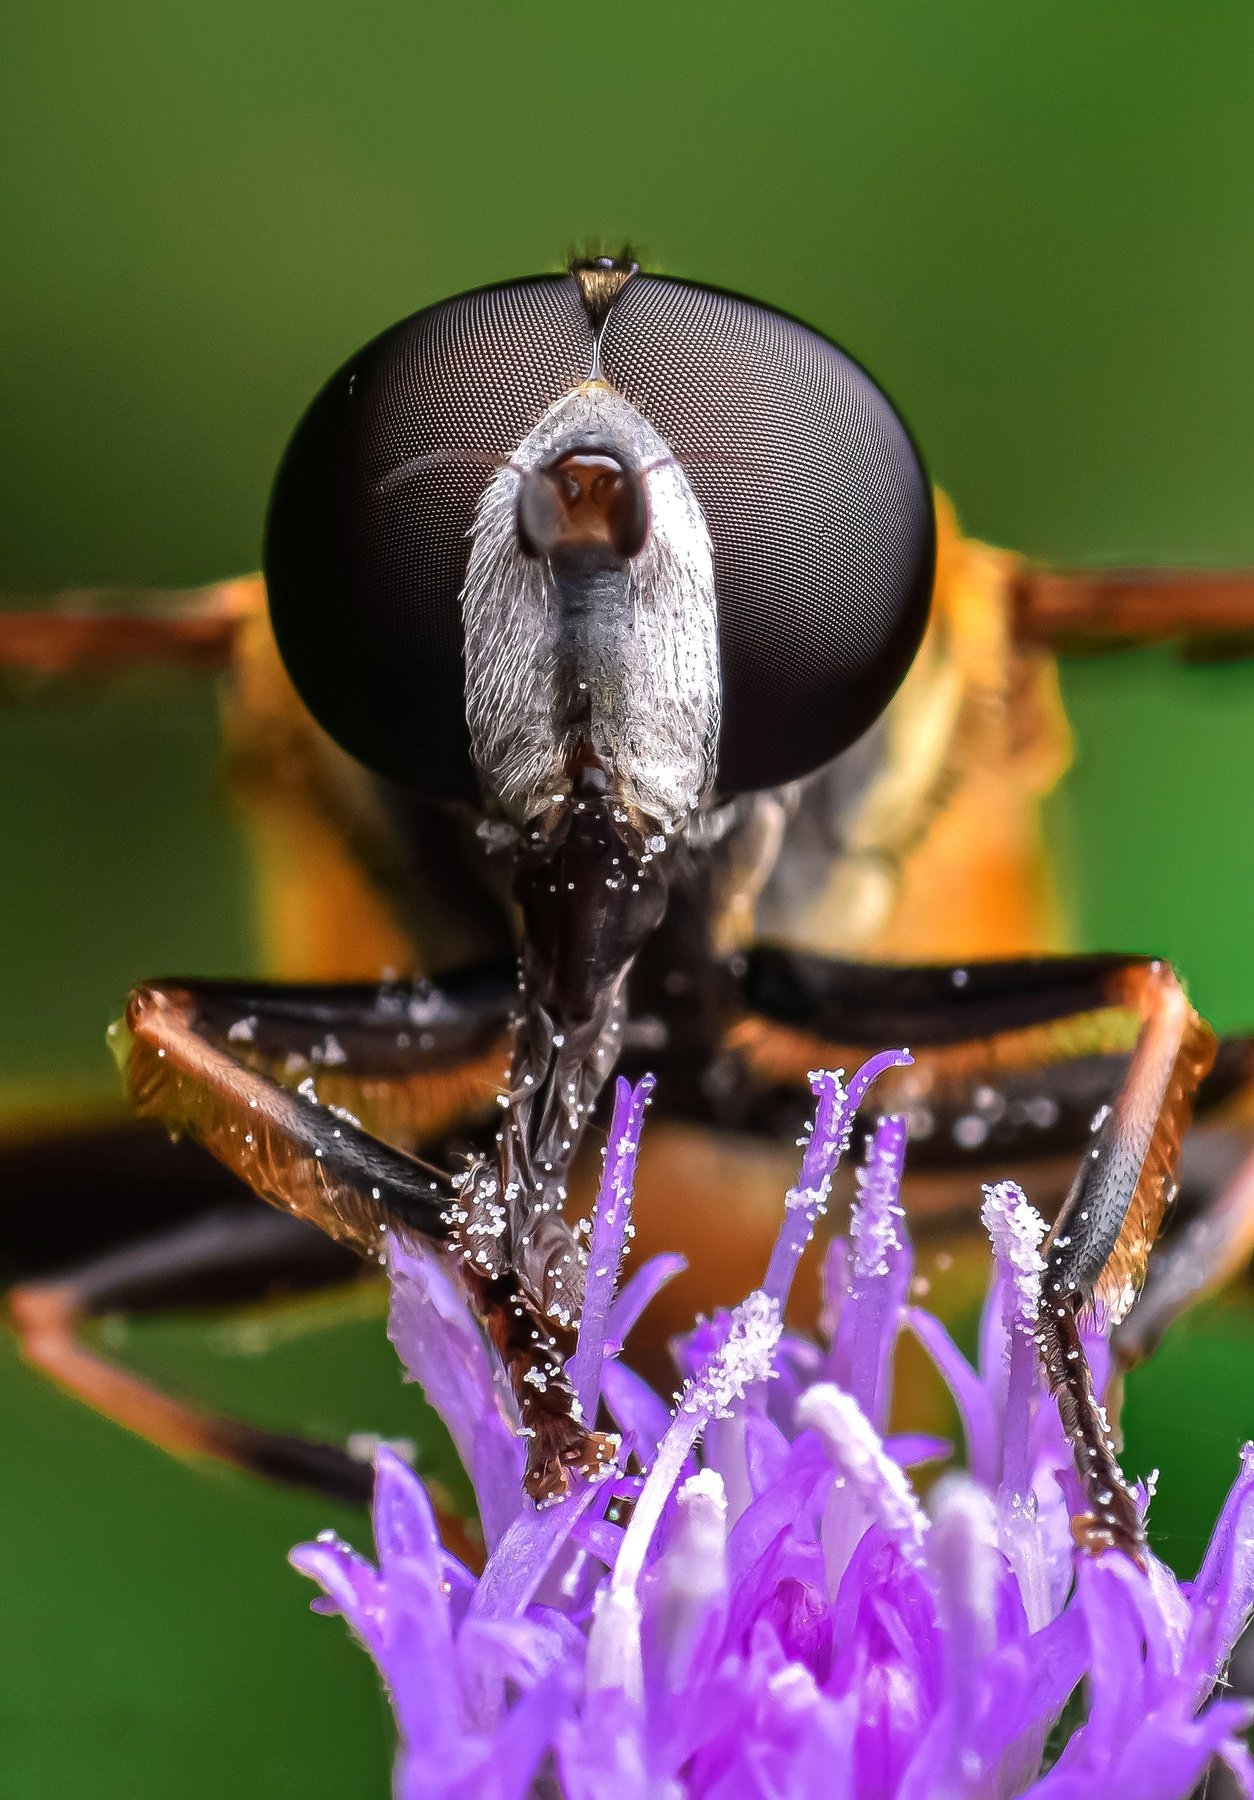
[[767, 1607]]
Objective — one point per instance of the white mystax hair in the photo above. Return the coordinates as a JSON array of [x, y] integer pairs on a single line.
[[642, 670]]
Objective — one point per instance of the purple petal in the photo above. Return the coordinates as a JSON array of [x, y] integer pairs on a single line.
[[1240, 1765], [1164, 1615], [609, 1236], [744, 1360], [879, 1276], [404, 1519], [1035, 1537], [1223, 1594], [1016, 1230], [441, 1349], [834, 1288], [637, 1294], [909, 1448], [417, 1661], [351, 1584], [527, 1552], [785, 1506], [804, 1203], [1115, 1646], [883, 1621], [690, 1590], [508, 1761], [798, 1363], [992, 1716], [979, 1420], [967, 1569], [829, 1139], [768, 1453], [873, 1490], [602, 1756], [501, 1658], [615, 1662], [635, 1408], [528, 1731], [1166, 1759], [1162, 1760], [600, 1538]]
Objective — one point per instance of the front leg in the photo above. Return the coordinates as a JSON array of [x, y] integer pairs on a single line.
[[318, 1163], [1098, 1249], [970, 1028]]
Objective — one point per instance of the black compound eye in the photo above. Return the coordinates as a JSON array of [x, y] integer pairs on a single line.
[[818, 511], [367, 540]]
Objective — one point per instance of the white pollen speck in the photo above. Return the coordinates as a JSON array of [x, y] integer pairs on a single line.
[[1017, 1231], [747, 1357]]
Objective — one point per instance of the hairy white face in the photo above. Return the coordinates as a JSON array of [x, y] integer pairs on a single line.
[[630, 665]]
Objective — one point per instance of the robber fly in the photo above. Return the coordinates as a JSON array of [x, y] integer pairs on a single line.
[[621, 619]]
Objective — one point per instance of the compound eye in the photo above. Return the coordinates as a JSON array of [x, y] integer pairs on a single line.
[[819, 513], [368, 536]]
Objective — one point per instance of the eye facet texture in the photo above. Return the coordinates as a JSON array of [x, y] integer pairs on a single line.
[[818, 511]]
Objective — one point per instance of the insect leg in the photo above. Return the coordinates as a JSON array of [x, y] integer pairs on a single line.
[[1207, 612], [97, 1186], [289, 1148], [320, 1164], [410, 1060], [235, 1254], [96, 630], [1211, 1242], [995, 1017]]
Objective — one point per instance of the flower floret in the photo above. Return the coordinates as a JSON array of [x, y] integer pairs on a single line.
[[760, 1601]]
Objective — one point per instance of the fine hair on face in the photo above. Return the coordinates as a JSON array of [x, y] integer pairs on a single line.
[[623, 655]]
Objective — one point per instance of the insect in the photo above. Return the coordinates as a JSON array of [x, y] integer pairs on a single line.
[[619, 625]]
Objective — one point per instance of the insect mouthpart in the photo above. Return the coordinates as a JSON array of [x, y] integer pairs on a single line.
[[587, 506]]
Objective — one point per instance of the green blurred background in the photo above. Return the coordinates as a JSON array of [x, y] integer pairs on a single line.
[[1034, 223]]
